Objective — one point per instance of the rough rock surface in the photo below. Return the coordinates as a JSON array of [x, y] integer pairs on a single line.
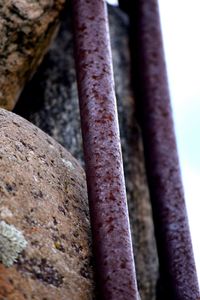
[[53, 106], [26, 29], [43, 195]]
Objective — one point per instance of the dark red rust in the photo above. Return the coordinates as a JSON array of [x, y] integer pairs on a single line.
[[178, 272], [102, 150]]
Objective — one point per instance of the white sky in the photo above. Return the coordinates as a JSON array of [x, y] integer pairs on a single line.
[[181, 26], [114, 2]]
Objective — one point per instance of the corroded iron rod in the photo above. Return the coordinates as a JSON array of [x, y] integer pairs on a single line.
[[106, 189], [177, 266]]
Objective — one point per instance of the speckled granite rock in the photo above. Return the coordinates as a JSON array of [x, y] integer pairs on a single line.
[[44, 203], [53, 106], [26, 29]]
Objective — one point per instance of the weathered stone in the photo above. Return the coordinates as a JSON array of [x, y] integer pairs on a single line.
[[53, 106], [44, 209], [26, 29]]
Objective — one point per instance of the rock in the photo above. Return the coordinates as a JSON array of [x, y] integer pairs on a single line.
[[53, 106], [26, 30], [45, 239]]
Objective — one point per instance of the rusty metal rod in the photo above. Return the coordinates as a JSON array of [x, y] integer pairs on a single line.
[[106, 189], [177, 266]]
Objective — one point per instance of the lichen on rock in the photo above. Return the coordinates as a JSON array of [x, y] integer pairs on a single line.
[[43, 195], [12, 243]]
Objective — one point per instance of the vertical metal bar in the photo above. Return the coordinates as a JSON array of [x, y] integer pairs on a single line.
[[102, 150], [178, 272]]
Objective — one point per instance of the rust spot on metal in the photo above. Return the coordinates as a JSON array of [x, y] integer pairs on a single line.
[[177, 267], [102, 150]]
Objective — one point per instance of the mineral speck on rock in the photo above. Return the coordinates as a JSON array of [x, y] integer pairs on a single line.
[[26, 29], [45, 238]]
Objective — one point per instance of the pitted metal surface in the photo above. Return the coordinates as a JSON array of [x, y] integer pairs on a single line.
[[106, 188], [177, 267]]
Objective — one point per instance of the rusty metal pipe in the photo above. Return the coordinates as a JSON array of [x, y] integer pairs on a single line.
[[102, 151], [177, 266]]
